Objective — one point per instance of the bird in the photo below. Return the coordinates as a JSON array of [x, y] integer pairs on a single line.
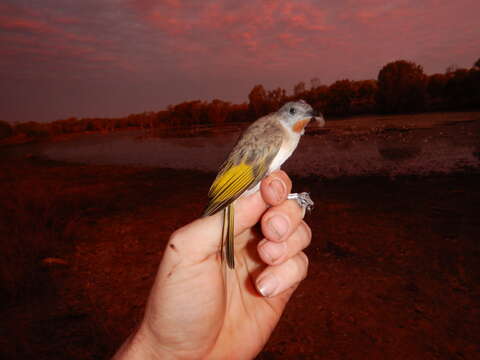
[[262, 148]]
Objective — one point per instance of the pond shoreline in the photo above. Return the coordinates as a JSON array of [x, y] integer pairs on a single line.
[[362, 146]]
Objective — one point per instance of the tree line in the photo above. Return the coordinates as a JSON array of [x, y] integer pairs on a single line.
[[401, 87]]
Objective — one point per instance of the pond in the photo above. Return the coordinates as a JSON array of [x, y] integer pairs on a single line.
[[388, 145]]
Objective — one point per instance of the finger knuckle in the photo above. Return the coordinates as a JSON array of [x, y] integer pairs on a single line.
[[307, 232], [294, 210], [282, 175], [303, 264], [177, 235], [299, 267]]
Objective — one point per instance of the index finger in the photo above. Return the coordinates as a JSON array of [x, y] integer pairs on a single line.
[[276, 187], [274, 190]]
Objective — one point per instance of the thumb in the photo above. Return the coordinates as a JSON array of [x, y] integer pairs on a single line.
[[202, 237]]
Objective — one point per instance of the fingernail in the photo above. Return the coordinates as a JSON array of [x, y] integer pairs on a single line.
[[278, 188], [267, 285], [273, 251], [279, 225]]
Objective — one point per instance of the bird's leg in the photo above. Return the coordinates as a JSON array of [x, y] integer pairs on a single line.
[[303, 200]]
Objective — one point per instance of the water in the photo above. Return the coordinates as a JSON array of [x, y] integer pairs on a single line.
[[393, 145]]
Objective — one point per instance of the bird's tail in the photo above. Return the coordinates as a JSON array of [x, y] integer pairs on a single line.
[[228, 236]]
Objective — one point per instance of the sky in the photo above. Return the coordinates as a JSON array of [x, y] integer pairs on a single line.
[[107, 58]]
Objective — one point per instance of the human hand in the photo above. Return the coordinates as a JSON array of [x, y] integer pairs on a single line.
[[200, 309]]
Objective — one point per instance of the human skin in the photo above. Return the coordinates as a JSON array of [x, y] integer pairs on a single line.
[[200, 309]]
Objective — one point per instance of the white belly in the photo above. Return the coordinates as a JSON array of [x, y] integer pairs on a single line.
[[283, 154]]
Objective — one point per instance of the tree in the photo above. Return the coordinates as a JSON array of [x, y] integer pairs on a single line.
[[436, 85], [451, 69], [317, 97], [477, 64], [365, 93], [463, 89], [258, 103], [276, 98], [401, 87], [299, 89], [5, 129], [315, 83], [340, 96], [238, 113], [32, 129], [218, 111], [366, 88]]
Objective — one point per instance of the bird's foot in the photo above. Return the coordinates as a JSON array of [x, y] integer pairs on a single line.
[[303, 200]]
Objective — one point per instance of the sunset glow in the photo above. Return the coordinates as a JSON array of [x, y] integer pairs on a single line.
[[112, 58]]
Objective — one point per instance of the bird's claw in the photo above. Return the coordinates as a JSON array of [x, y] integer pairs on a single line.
[[303, 200]]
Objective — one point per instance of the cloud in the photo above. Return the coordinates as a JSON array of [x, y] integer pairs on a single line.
[[54, 39], [290, 40], [262, 27], [180, 50], [19, 24]]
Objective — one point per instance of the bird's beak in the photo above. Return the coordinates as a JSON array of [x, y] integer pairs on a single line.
[[317, 116]]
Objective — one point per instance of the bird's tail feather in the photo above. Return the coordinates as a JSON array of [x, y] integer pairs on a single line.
[[224, 234], [228, 220]]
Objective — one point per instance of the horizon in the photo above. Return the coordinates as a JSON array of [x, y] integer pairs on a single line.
[[110, 59]]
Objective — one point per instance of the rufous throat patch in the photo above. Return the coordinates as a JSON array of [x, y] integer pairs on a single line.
[[299, 125]]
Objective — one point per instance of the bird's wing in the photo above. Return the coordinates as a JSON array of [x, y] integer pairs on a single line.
[[246, 166]]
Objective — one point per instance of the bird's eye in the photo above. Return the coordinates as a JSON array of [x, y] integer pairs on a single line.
[[292, 111]]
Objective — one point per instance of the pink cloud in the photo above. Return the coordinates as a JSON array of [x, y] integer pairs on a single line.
[[206, 47], [290, 40], [28, 35], [66, 20], [247, 39], [168, 23], [264, 29], [82, 38], [306, 16], [8, 9], [19, 24]]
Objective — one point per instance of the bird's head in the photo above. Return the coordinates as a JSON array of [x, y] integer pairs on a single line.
[[297, 114]]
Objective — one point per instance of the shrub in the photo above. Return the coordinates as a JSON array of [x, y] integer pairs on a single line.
[[33, 129], [401, 87], [5, 130]]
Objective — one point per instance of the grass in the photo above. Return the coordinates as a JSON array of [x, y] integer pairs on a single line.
[[36, 222], [56, 218]]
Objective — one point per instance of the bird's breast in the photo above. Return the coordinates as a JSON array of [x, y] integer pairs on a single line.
[[288, 147]]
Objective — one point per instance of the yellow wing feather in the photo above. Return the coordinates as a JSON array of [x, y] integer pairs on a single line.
[[232, 182], [247, 164], [245, 167]]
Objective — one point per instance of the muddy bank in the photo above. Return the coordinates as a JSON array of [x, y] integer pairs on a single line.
[[418, 144], [394, 262]]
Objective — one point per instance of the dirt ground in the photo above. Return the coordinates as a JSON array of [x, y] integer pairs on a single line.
[[394, 262]]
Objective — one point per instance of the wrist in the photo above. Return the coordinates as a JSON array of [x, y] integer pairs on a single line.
[[141, 345]]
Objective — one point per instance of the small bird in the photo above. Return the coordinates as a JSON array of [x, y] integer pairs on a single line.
[[264, 146]]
